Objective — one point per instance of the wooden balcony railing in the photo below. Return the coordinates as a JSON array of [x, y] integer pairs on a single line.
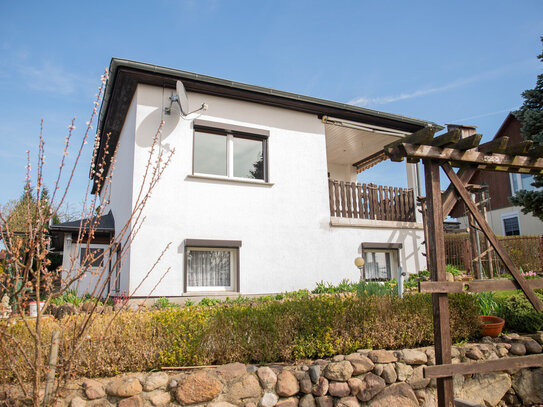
[[354, 200]]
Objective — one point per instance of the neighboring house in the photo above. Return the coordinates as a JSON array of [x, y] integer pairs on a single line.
[[260, 196], [504, 218]]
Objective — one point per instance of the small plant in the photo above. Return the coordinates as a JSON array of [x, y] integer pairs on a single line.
[[164, 302], [189, 303], [121, 299], [414, 279], [68, 297], [365, 289], [528, 275], [208, 302], [455, 271], [488, 303], [345, 286]]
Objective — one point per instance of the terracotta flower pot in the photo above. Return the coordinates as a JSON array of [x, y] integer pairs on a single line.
[[491, 326]]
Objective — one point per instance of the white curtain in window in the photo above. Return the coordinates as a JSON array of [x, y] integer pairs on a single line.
[[377, 266], [209, 268]]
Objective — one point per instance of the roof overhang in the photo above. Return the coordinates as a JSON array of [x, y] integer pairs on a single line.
[[360, 145], [100, 225], [125, 75]]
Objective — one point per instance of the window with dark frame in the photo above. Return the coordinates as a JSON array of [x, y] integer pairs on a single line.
[[229, 154], [511, 226], [91, 257], [211, 266]]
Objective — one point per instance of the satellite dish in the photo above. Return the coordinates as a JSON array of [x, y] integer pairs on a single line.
[[182, 100]]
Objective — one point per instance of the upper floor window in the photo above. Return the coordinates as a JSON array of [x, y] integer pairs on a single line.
[[229, 154], [521, 182]]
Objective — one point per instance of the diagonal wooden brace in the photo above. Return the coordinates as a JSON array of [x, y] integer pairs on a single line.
[[500, 251], [450, 196]]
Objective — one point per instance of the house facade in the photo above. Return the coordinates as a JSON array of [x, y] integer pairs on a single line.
[[260, 196], [504, 218]]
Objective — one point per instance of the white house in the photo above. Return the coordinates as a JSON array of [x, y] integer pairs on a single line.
[[249, 201]]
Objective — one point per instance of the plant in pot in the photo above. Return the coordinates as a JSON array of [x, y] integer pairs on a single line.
[[491, 325]]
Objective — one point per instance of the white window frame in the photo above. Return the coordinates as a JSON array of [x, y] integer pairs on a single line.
[[393, 260], [234, 254], [510, 215], [230, 135], [518, 178]]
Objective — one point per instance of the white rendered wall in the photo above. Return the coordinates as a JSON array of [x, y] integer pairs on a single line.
[[287, 240], [120, 191], [342, 172]]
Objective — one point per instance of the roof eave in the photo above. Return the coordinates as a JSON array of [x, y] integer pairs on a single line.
[[134, 73]]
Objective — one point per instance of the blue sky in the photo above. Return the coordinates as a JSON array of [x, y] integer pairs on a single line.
[[449, 62]]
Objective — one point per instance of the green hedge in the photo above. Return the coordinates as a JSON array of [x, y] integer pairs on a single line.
[[312, 327], [520, 315], [258, 332]]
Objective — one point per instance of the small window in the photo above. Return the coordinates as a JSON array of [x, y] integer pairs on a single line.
[[91, 257], [229, 154], [378, 265], [511, 225], [381, 260], [211, 265]]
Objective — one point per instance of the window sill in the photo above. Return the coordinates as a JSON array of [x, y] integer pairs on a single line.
[[228, 180], [210, 293], [371, 223]]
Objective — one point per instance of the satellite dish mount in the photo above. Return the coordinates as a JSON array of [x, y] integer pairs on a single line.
[[181, 99]]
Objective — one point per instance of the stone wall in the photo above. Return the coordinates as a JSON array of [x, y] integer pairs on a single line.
[[376, 378]]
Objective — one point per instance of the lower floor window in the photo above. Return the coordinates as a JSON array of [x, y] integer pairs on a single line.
[[378, 265], [211, 269], [91, 257], [511, 225]]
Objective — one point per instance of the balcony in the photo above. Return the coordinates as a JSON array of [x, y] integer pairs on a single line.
[[370, 202]]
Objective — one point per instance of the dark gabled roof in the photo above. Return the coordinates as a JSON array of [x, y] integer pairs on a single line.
[[125, 75], [104, 224]]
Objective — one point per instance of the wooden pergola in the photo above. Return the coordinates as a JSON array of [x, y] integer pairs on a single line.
[[447, 151]]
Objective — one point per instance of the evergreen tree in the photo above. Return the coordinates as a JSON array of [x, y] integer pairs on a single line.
[[258, 168], [531, 117]]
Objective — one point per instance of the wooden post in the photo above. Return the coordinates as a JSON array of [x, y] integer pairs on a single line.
[[53, 356], [473, 244], [336, 195], [359, 200], [342, 195], [484, 201], [331, 196], [440, 302], [348, 196], [374, 202]]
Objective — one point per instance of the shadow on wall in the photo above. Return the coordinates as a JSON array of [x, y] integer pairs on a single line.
[[148, 127], [403, 235], [257, 114]]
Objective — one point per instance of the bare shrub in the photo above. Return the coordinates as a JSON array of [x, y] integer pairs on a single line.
[[27, 275]]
